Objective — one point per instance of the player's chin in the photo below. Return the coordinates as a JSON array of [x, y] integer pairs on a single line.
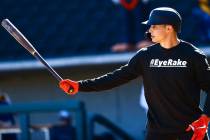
[[154, 40]]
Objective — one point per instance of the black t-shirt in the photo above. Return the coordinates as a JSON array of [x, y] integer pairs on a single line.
[[172, 80]]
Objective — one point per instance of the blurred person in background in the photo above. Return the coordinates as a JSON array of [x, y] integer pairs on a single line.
[[134, 11], [64, 130], [201, 19], [7, 120], [173, 71]]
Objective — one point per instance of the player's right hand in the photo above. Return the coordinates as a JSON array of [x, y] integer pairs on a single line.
[[69, 86]]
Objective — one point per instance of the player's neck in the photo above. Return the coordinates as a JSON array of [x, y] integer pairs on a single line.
[[170, 41]]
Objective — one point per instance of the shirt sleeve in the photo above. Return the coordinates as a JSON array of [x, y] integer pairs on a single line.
[[203, 73], [203, 79], [113, 79]]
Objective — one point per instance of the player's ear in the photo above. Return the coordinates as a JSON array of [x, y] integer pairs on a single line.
[[169, 28]]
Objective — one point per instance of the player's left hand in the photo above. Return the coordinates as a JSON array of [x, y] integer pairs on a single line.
[[69, 86], [199, 127]]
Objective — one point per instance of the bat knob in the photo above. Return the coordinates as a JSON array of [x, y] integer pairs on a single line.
[[71, 90]]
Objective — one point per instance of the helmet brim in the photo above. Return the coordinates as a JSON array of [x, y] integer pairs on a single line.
[[145, 22]]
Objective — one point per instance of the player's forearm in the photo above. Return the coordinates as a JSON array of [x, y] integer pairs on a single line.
[[120, 76], [108, 81]]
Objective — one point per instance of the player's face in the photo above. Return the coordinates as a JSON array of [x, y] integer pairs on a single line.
[[158, 33]]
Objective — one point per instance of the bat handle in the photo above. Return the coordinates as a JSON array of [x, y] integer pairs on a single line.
[[53, 72]]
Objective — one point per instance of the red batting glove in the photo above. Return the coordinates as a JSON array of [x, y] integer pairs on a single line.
[[69, 86], [199, 127]]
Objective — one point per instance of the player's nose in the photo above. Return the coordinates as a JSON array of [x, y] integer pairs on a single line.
[[150, 29]]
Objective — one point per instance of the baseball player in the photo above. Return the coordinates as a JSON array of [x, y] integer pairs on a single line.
[[174, 71]]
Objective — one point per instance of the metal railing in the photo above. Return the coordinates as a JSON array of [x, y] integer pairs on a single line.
[[95, 118], [23, 111], [16, 130], [85, 125]]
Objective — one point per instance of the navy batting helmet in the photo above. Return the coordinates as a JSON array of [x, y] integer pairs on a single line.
[[165, 15]]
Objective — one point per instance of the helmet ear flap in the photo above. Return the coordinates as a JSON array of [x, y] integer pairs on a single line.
[[147, 35]]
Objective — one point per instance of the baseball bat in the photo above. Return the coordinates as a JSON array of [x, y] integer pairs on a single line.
[[27, 45]]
